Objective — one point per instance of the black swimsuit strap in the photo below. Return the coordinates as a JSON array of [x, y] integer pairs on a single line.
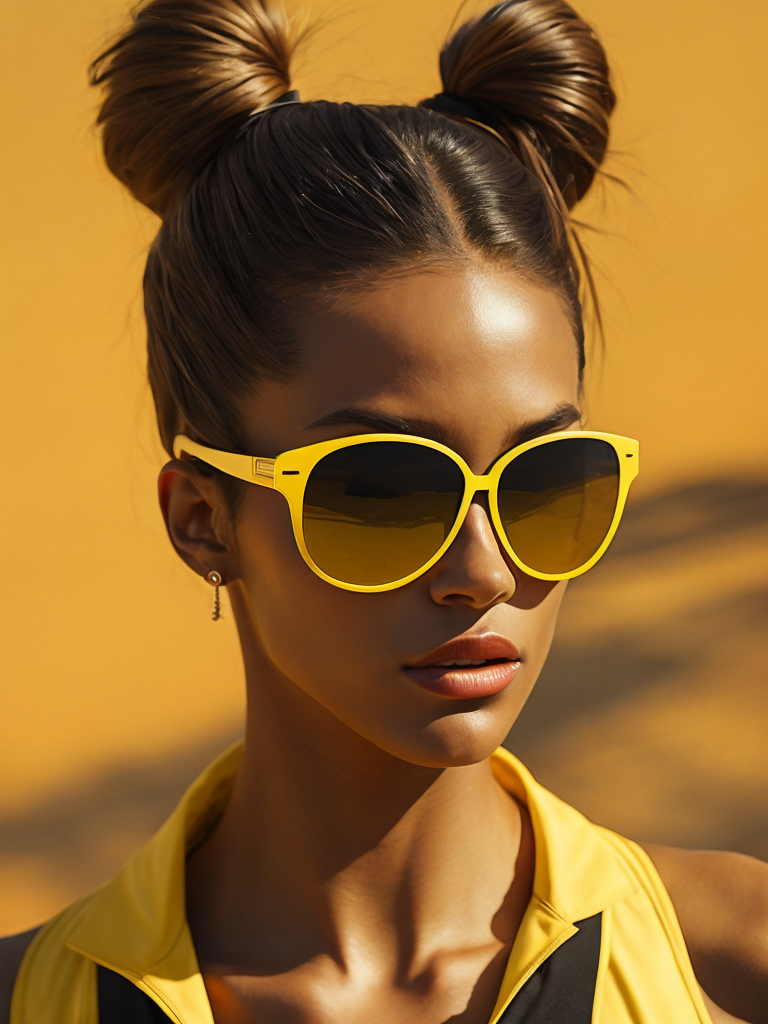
[[561, 991], [120, 1002]]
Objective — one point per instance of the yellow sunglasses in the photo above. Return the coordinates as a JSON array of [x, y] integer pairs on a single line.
[[374, 511]]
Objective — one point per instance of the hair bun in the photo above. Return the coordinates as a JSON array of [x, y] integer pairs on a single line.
[[539, 75], [179, 82]]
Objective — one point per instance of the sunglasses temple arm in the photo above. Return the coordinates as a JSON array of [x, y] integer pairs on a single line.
[[245, 467]]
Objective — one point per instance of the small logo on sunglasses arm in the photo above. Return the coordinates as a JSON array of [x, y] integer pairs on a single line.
[[263, 467]]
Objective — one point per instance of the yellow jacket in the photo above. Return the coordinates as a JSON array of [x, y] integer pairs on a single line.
[[135, 924]]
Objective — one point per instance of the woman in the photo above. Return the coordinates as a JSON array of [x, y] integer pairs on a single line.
[[374, 311]]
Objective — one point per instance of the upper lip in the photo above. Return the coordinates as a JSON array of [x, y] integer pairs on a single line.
[[475, 647]]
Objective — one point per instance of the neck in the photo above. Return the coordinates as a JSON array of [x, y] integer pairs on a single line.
[[330, 845]]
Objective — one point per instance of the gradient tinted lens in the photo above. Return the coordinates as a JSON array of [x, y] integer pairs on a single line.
[[374, 513], [557, 502]]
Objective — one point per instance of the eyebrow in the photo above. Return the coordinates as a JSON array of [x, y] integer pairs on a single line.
[[563, 416]]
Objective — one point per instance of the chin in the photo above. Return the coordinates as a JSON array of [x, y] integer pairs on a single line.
[[454, 740]]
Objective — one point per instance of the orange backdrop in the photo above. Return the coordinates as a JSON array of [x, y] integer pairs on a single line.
[[108, 654]]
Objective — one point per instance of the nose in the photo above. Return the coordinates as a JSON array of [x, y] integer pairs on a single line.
[[474, 571]]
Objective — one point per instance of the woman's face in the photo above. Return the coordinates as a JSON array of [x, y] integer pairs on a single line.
[[480, 360]]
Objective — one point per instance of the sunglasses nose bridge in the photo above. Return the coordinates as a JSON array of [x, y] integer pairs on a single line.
[[477, 483]]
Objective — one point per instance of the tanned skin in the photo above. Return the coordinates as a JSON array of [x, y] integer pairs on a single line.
[[368, 866]]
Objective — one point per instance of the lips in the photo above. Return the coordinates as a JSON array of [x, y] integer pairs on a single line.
[[478, 665]]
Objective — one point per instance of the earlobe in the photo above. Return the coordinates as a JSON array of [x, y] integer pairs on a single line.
[[190, 501]]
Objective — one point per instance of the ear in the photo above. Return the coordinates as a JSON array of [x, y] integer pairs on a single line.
[[196, 517]]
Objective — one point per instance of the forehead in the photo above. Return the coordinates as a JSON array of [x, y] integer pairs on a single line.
[[476, 350]]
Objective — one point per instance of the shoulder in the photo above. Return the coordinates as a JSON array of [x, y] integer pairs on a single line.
[[721, 897], [12, 950], [721, 902]]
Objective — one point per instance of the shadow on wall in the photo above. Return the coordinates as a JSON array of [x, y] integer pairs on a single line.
[[651, 715]]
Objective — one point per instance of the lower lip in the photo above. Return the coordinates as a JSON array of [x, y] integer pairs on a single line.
[[464, 682]]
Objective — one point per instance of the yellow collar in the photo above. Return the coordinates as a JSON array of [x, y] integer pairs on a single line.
[[136, 923]]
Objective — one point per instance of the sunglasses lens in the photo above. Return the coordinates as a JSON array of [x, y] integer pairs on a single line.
[[557, 502], [376, 512]]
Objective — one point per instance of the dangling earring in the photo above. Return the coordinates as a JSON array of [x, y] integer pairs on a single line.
[[214, 578]]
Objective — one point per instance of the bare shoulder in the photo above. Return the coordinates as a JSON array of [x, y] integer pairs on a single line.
[[721, 901], [722, 897], [12, 950]]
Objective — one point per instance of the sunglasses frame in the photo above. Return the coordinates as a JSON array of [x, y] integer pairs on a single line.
[[290, 471]]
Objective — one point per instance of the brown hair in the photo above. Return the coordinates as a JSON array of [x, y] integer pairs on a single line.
[[317, 196]]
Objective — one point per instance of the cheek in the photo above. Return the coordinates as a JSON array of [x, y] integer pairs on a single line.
[[539, 601], [531, 618], [307, 628], [542, 619]]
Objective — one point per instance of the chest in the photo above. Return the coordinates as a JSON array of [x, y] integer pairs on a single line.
[[560, 991]]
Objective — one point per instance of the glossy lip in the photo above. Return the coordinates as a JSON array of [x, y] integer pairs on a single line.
[[462, 682]]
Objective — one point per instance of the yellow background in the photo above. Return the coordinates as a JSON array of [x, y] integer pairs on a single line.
[[109, 659]]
